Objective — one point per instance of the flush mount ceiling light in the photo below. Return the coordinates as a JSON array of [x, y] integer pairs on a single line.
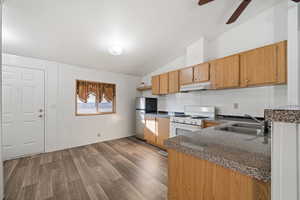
[[115, 50]]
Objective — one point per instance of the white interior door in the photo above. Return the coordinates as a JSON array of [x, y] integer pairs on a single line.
[[22, 111]]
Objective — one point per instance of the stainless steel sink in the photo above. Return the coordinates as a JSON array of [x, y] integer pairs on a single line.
[[245, 125], [242, 128]]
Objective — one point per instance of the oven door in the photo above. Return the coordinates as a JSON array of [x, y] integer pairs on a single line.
[[183, 129]]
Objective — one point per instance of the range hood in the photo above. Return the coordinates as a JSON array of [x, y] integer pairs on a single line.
[[196, 86]]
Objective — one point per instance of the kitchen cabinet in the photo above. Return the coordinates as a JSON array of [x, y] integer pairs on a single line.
[[173, 82], [163, 129], [225, 72], [201, 73], [196, 179], [150, 130], [156, 130], [164, 83], [282, 62], [208, 124], [262, 66], [186, 76], [259, 66], [155, 85]]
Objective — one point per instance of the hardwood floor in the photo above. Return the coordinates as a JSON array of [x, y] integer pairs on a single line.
[[119, 169]]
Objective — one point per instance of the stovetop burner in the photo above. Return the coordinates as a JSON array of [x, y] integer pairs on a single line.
[[199, 117]]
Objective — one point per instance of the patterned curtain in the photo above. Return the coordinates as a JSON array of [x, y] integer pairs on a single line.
[[92, 88], [100, 90], [82, 91], [109, 92]]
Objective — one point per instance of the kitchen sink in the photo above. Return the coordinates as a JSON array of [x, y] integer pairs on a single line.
[[246, 125], [242, 128]]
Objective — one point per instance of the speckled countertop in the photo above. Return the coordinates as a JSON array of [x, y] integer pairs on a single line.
[[246, 154], [288, 114]]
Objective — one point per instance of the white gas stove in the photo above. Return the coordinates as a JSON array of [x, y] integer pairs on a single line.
[[192, 120]]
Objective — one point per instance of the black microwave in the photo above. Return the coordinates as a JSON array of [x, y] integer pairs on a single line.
[[149, 105]]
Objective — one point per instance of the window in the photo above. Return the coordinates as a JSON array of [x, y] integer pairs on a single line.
[[95, 98]]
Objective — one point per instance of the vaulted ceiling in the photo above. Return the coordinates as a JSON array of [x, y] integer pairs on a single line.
[[79, 32]]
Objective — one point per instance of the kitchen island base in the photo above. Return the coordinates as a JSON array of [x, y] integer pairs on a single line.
[[191, 178]]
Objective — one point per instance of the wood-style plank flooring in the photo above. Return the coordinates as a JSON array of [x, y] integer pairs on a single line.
[[115, 170]]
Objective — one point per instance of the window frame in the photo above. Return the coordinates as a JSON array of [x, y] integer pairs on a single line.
[[97, 106]]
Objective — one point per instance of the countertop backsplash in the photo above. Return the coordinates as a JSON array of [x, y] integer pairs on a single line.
[[228, 102]]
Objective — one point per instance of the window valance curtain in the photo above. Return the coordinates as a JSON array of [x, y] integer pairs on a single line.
[[100, 90]]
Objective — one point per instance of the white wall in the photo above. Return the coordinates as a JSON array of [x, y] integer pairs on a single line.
[[293, 54], [1, 163], [63, 128], [266, 28]]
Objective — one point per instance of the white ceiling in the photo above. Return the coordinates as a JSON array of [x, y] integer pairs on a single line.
[[80, 31]]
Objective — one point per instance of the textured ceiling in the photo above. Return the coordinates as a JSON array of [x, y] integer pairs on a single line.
[[79, 31]]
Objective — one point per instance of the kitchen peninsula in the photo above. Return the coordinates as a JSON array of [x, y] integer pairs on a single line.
[[219, 165]]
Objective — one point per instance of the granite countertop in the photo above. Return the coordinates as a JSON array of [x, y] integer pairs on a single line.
[[288, 114], [243, 153]]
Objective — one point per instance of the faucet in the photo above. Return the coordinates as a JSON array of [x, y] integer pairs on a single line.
[[263, 123]]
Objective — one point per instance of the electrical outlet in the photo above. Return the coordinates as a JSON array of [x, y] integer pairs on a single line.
[[236, 106], [99, 134]]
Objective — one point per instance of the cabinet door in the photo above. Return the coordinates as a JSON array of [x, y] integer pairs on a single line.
[[282, 62], [174, 82], [164, 83], [259, 66], [155, 85], [186, 76], [150, 131], [225, 72], [201, 72], [163, 130]]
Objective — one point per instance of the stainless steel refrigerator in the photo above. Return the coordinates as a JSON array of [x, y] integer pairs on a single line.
[[143, 105]]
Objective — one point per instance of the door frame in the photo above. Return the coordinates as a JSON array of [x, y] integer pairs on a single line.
[[44, 107]]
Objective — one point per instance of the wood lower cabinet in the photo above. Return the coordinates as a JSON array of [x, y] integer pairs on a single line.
[[150, 131], [190, 178], [201, 73], [259, 66], [155, 85], [173, 82], [225, 72], [156, 130], [164, 83], [163, 130], [186, 76], [208, 124]]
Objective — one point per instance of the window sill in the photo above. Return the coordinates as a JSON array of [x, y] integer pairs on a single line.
[[93, 114]]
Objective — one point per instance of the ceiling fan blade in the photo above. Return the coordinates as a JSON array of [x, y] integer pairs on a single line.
[[202, 2], [297, 1], [238, 11]]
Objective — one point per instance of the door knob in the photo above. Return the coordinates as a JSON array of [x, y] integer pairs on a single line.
[[40, 116], [40, 110]]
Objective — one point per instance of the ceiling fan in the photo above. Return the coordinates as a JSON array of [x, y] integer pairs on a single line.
[[237, 12]]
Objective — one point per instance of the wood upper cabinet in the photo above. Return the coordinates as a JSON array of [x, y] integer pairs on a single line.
[[163, 129], [259, 66], [201, 72], [164, 83], [186, 76], [282, 62], [225, 72], [173, 82], [155, 85], [150, 130]]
